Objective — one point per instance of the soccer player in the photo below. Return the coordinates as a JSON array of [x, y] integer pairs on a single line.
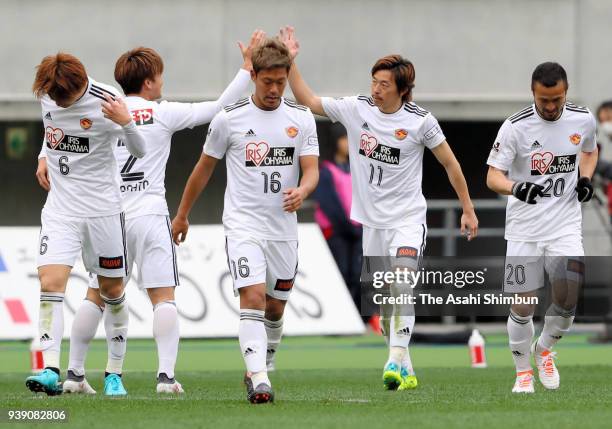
[[149, 242], [83, 120], [543, 159], [387, 136], [265, 139]]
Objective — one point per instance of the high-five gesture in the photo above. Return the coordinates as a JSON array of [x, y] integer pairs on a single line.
[[287, 36], [257, 38]]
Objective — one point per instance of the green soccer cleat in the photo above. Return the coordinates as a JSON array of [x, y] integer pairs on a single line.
[[408, 381], [113, 386], [392, 378], [45, 381]]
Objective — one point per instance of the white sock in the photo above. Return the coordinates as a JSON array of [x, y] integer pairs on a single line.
[[84, 327], [386, 313], [400, 331], [116, 317], [407, 362], [51, 327], [274, 331], [253, 342], [166, 333], [557, 323], [520, 335]]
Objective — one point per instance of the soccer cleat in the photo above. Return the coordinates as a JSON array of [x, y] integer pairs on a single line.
[[77, 384], [261, 394], [392, 378], [45, 381], [166, 384], [547, 370], [113, 386], [408, 381], [524, 382]]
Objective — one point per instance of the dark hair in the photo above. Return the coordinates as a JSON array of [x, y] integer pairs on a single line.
[[271, 54], [135, 66], [604, 106], [60, 76], [548, 74], [402, 71]]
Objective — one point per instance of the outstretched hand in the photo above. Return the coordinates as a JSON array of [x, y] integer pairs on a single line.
[[257, 38], [287, 36]]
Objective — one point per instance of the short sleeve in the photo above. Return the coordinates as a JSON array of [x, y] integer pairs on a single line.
[[177, 116], [430, 133], [503, 151], [339, 109], [310, 141], [589, 143], [217, 138]]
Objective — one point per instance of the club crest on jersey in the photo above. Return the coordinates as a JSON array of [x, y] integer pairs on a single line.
[[85, 123], [142, 116], [546, 163], [370, 148], [292, 131], [496, 146], [575, 138], [401, 133], [260, 154]]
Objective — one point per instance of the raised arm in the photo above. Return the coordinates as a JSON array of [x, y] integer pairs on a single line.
[[205, 111], [303, 93], [446, 157], [195, 185]]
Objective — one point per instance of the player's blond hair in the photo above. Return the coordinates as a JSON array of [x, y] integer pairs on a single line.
[[271, 54]]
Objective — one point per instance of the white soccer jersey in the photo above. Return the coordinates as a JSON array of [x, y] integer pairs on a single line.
[[386, 156], [532, 149], [79, 145], [143, 179], [262, 150]]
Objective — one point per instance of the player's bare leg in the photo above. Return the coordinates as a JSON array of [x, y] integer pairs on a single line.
[[53, 281], [566, 280], [84, 327], [253, 343], [520, 335], [275, 308], [166, 334], [116, 317]]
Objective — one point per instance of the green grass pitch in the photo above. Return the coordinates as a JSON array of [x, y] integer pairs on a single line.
[[326, 382]]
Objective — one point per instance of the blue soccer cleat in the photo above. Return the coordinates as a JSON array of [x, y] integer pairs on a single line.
[[392, 378], [45, 381], [113, 386]]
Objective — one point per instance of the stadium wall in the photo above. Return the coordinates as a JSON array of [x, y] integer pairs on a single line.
[[460, 73]]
